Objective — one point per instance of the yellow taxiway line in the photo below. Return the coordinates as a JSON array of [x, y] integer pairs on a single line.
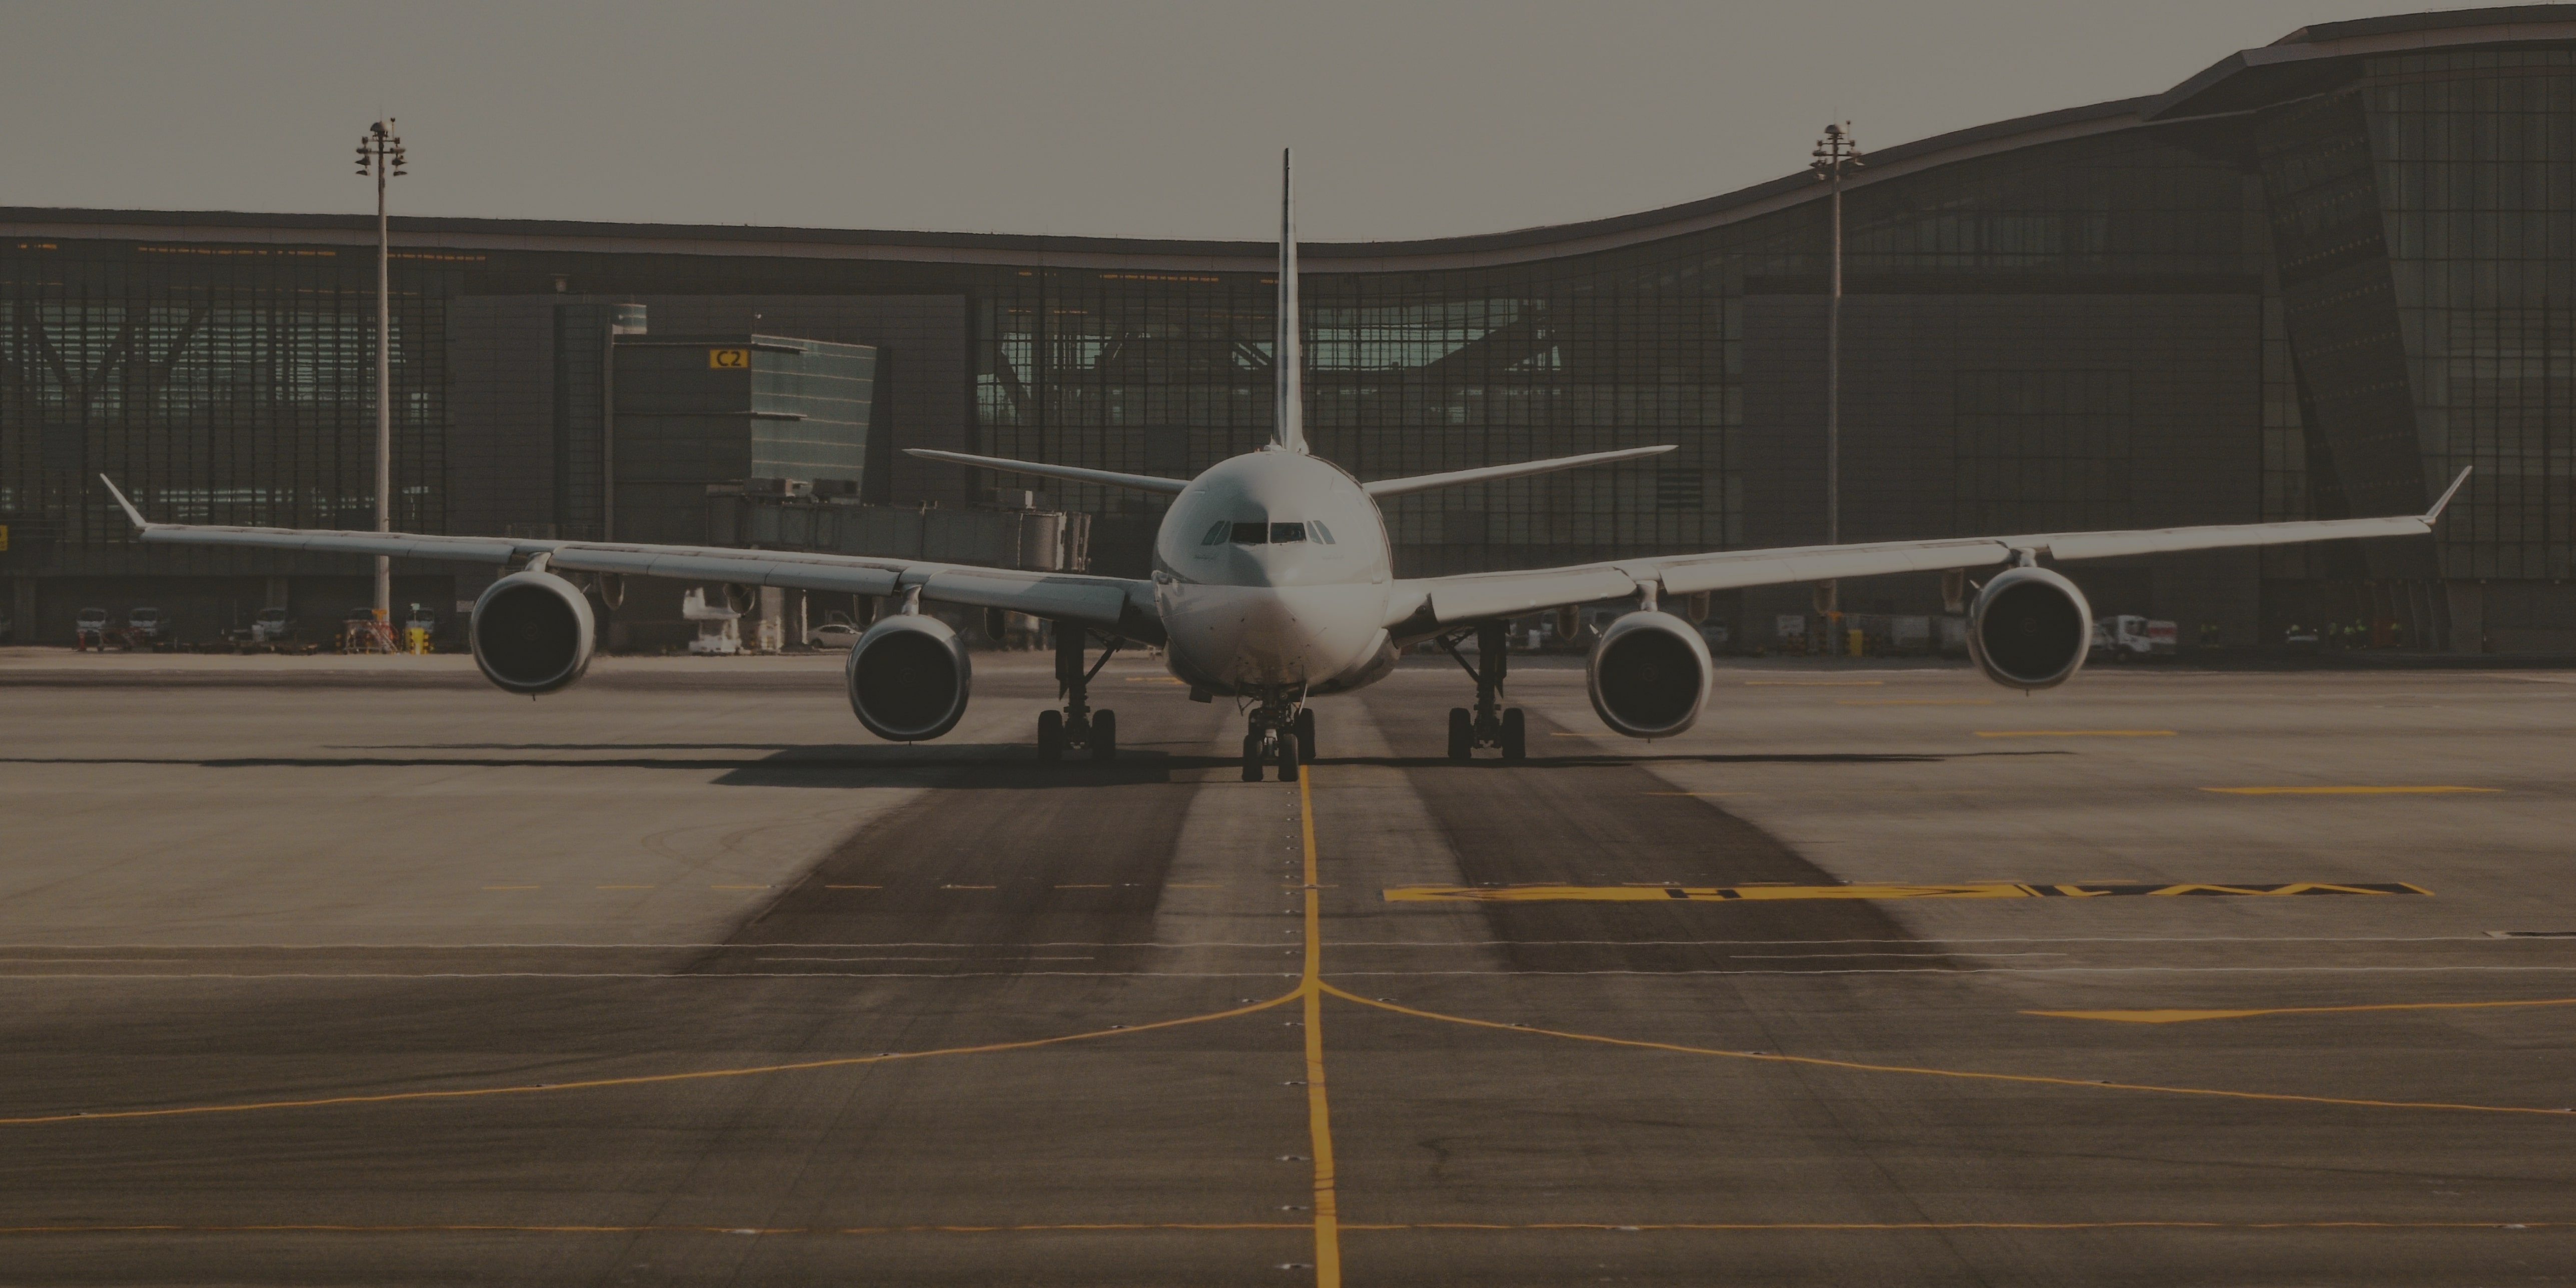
[[1319, 1113], [1958, 890], [2347, 791], [2178, 1016]]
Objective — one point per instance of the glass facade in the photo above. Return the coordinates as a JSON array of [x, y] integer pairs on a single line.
[[2323, 299]]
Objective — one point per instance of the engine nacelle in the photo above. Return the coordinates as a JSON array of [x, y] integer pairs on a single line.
[[909, 678], [1650, 675], [532, 632], [2030, 628]]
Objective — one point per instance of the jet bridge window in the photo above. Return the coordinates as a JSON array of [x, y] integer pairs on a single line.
[[1282, 533], [1251, 534], [1216, 535]]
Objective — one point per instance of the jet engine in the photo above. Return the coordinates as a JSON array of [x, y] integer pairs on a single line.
[[532, 633], [909, 678], [1650, 675], [2030, 628]]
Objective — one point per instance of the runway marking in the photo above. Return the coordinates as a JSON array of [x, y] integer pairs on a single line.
[[2185, 1016], [2075, 733], [1813, 684], [1219, 1227], [1319, 1117], [1962, 890], [2347, 791], [1915, 702], [1963, 1074], [648, 1079]]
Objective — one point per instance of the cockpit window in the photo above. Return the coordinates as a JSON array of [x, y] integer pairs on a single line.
[[1251, 534], [1320, 532], [1216, 535], [1281, 533]]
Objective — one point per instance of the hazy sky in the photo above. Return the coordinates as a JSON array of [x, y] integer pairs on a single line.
[[1410, 119]]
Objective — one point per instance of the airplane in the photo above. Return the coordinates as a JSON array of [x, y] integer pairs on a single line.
[[1273, 583]]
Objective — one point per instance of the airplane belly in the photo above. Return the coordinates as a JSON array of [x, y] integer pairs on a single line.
[[1249, 638]]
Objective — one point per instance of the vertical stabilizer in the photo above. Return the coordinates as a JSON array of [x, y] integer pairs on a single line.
[[1287, 351]]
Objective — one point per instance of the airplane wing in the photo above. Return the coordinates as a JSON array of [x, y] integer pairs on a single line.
[[1423, 605], [1117, 604], [1518, 469]]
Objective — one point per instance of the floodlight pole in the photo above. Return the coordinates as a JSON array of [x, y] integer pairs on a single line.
[[1834, 154], [380, 153]]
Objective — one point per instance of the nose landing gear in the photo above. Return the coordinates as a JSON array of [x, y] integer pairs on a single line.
[[1077, 726], [1281, 733], [1490, 724]]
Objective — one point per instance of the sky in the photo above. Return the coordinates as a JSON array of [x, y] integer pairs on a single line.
[[1410, 118]]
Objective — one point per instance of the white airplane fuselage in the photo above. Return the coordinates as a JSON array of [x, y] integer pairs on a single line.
[[1270, 574]]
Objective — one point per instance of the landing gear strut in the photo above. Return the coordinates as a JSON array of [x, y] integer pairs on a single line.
[[1281, 729], [1077, 726], [1490, 724]]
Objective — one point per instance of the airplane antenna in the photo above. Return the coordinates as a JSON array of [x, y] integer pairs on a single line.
[[1287, 354]]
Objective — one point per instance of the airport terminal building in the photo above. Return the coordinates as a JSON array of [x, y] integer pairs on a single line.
[[2315, 280]]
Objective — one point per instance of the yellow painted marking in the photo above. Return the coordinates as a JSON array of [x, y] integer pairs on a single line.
[[2075, 733], [1914, 702], [646, 1079], [729, 359], [2346, 791], [1120, 1227], [514, 887], [1961, 890], [2182, 1016], [1813, 684], [1965, 1074], [1319, 1116]]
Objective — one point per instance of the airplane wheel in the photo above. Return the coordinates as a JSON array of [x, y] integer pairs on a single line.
[[1050, 735], [1515, 735], [1104, 735], [1252, 758], [1462, 734], [1306, 734], [1288, 757]]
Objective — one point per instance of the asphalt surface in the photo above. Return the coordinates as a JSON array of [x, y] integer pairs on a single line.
[[325, 972]]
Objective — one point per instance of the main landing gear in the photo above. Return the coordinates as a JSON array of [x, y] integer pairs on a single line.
[[1490, 724], [1278, 731], [1077, 726]]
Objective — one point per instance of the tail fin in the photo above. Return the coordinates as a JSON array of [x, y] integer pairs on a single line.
[[1288, 359]]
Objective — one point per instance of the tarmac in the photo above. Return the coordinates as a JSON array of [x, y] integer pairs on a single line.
[[355, 971]]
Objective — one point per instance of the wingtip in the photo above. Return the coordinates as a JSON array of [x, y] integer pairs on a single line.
[[128, 506], [2447, 494]]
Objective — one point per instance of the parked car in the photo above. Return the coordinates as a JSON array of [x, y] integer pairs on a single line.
[[837, 633]]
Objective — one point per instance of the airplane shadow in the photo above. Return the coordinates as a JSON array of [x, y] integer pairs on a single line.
[[984, 766]]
